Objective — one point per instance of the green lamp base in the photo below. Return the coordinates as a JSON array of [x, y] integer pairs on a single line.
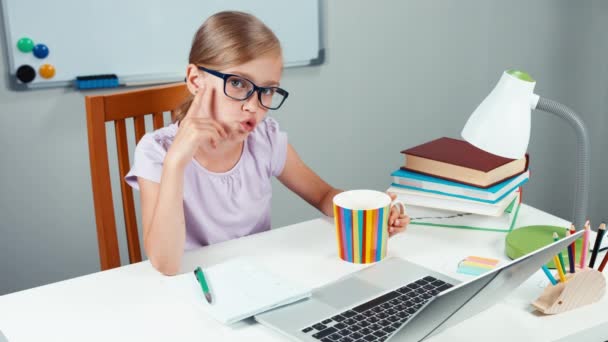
[[524, 240]]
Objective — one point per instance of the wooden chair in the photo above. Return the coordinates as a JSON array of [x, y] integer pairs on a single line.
[[119, 107]]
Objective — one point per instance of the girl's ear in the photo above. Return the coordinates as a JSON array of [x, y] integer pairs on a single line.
[[193, 78]]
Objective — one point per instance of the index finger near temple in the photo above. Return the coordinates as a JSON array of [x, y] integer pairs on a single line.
[[206, 103], [197, 102], [210, 109]]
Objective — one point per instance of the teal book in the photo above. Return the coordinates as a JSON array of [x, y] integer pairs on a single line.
[[452, 203], [420, 182]]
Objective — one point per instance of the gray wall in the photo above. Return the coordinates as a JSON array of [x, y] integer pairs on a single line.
[[397, 73]]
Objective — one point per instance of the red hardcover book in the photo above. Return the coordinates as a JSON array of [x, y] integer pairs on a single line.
[[457, 160]]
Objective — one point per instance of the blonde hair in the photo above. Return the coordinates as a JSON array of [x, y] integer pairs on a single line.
[[227, 39]]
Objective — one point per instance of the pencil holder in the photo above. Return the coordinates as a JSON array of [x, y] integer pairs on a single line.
[[584, 287]]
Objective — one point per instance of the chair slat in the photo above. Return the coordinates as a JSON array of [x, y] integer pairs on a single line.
[[140, 127], [158, 120], [109, 254], [127, 193]]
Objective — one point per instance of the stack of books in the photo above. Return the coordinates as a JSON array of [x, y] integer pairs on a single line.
[[453, 175]]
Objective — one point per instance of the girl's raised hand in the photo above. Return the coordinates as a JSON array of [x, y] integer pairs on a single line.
[[198, 129]]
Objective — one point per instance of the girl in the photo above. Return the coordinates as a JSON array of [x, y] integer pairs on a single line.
[[206, 178]]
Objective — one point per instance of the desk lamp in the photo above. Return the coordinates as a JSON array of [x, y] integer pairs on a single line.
[[501, 125]]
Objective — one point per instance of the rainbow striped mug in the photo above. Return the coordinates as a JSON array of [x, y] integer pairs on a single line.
[[361, 219]]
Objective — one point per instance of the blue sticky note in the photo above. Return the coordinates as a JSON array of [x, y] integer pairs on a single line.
[[471, 270]]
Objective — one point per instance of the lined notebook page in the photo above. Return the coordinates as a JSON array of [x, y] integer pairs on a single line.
[[240, 289]]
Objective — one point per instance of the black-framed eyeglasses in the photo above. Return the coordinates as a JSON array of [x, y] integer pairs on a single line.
[[239, 88]]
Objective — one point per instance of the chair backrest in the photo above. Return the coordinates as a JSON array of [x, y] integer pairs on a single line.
[[118, 108]]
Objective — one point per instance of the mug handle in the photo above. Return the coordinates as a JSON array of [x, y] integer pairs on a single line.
[[399, 203]]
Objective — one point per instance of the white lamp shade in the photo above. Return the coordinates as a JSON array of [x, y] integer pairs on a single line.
[[501, 123]]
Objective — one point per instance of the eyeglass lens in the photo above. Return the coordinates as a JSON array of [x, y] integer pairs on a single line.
[[240, 89]]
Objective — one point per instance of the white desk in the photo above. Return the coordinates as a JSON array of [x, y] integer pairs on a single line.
[[133, 303]]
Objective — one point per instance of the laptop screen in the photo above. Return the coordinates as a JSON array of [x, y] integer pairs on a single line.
[[472, 297]]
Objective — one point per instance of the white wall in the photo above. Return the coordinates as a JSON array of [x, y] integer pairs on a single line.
[[397, 73]]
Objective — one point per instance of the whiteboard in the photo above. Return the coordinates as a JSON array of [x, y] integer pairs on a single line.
[[140, 41]]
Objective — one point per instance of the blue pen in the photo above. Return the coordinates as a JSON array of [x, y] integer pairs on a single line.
[[549, 275]]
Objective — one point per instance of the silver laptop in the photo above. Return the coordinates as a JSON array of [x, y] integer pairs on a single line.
[[396, 300]]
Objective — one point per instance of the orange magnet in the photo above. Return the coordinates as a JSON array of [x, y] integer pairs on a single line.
[[47, 71]]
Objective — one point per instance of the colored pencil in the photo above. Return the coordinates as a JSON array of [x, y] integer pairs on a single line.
[[572, 250], [603, 264], [598, 241], [571, 254], [585, 247], [549, 275], [559, 255], [560, 272]]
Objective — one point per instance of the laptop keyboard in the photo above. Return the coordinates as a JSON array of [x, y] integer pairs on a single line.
[[376, 319]]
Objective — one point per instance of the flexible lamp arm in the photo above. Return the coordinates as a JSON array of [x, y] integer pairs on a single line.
[[581, 185]]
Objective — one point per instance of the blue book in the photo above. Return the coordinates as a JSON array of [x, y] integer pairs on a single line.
[[420, 182]]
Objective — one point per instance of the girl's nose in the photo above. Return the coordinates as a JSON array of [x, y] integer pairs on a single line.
[[251, 104]]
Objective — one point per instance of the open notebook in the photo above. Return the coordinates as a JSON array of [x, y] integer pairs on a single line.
[[240, 289]]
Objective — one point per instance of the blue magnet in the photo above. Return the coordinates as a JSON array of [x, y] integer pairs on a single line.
[[41, 51]]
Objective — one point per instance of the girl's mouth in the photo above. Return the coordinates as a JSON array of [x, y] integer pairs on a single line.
[[248, 125]]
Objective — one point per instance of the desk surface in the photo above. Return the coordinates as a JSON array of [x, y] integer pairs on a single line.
[[134, 302]]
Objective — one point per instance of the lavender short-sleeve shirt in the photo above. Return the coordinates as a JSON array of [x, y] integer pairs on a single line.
[[220, 206]]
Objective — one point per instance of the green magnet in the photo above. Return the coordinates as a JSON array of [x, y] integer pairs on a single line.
[[25, 44]]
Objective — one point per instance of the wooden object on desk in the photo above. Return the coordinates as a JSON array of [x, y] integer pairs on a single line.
[[584, 287], [118, 108]]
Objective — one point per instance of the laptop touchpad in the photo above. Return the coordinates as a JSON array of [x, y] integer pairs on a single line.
[[346, 292]]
